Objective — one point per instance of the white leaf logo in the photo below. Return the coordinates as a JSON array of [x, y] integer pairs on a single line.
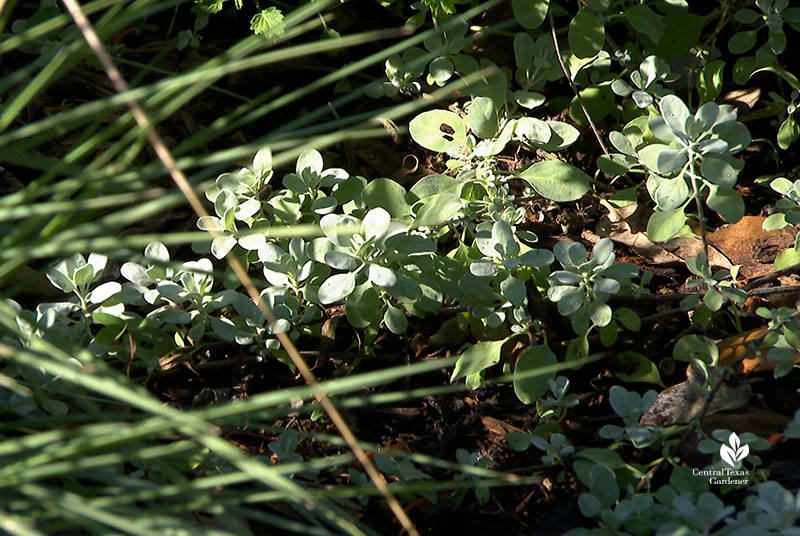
[[735, 452]]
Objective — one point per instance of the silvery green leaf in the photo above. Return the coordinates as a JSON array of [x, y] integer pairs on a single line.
[[223, 328], [671, 193], [511, 264], [661, 129], [622, 143], [674, 112], [136, 274], [718, 171], [83, 275], [621, 270], [295, 183], [603, 251], [727, 202], [707, 115], [621, 88], [253, 242], [208, 223], [570, 253], [714, 145], [103, 292], [275, 277], [381, 276], [333, 176], [309, 159], [395, 320], [735, 135], [483, 268], [642, 99], [221, 245], [339, 229], [225, 201], [59, 278], [247, 209], [262, 162], [571, 300], [606, 285], [513, 290], [532, 130], [98, 263], [503, 236], [376, 223], [324, 205], [341, 261], [565, 278], [336, 288]]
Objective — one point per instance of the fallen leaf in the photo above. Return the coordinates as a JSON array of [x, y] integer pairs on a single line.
[[745, 243]]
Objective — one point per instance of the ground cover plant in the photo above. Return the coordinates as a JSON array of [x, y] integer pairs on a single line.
[[368, 267]]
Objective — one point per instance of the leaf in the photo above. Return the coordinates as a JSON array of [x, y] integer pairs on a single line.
[[562, 137], [376, 223], [645, 20], [387, 194], [727, 202], [477, 358], [635, 367], [395, 320], [513, 290], [665, 224], [529, 99], [268, 22], [742, 41], [557, 180], [533, 131], [336, 288], [362, 306], [709, 84], [381, 276], [437, 209], [438, 130], [435, 184], [103, 292], [482, 117], [586, 34], [530, 13], [530, 383], [674, 112]]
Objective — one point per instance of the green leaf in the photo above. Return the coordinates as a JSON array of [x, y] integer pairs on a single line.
[[268, 22], [533, 131], [600, 480], [530, 13], [529, 99], [666, 224], [717, 170], [586, 34], [482, 117], [562, 137], [628, 318], [437, 209], [635, 367], [671, 193], [645, 20], [513, 290], [387, 194], [786, 258], [395, 320], [435, 184], [709, 84], [438, 130], [477, 358], [440, 69], [557, 180], [741, 42], [788, 133], [362, 306], [376, 223], [336, 288], [530, 383], [599, 102], [727, 202], [674, 112]]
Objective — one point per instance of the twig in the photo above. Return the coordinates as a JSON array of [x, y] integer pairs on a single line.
[[769, 278], [186, 188], [572, 84]]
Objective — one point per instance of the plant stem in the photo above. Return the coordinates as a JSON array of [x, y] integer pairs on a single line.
[[572, 84]]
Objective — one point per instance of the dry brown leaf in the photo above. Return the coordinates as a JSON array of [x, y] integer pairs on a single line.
[[747, 97], [747, 244], [735, 347]]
